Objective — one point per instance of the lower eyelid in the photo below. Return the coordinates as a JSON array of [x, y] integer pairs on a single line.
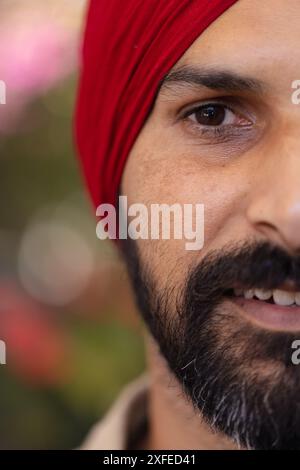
[[224, 132], [241, 124]]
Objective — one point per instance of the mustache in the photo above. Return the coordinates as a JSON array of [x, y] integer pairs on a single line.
[[244, 266]]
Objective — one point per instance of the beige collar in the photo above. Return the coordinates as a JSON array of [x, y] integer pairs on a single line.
[[125, 422]]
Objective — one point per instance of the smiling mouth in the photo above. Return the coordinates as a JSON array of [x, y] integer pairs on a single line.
[[284, 298], [277, 309]]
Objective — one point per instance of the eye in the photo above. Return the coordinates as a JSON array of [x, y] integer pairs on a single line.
[[215, 115], [219, 121]]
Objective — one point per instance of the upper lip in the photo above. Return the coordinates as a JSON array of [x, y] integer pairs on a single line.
[[289, 286]]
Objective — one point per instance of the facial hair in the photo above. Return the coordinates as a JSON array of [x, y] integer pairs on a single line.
[[239, 376]]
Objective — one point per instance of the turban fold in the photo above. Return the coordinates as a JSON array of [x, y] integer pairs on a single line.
[[129, 46]]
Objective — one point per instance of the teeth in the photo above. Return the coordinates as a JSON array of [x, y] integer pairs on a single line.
[[263, 294], [249, 294], [280, 297]]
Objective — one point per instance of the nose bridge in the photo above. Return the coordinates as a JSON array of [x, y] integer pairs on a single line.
[[275, 205]]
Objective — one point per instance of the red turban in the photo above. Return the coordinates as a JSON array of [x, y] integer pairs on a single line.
[[129, 46]]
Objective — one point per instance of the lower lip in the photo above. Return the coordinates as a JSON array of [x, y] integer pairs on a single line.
[[269, 316]]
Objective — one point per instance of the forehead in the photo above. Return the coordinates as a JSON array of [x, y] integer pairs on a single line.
[[252, 37]]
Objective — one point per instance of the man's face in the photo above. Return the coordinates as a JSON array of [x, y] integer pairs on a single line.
[[224, 132]]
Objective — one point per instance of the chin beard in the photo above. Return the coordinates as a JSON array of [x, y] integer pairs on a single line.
[[239, 376]]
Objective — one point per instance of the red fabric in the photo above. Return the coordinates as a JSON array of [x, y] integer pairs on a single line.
[[129, 46]]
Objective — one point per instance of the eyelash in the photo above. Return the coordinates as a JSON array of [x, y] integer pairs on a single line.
[[217, 131]]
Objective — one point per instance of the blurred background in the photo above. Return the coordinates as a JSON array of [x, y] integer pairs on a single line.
[[66, 314]]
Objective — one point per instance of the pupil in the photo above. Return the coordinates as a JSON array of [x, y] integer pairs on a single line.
[[211, 115]]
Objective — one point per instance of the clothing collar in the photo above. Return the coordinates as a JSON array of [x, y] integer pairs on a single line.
[[126, 421]]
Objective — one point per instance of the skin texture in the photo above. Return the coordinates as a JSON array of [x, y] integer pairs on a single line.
[[248, 178]]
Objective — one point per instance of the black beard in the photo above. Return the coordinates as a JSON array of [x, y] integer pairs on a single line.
[[239, 376]]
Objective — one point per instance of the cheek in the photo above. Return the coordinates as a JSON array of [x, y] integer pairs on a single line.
[[153, 177]]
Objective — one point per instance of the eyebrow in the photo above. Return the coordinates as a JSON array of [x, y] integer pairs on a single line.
[[215, 79]]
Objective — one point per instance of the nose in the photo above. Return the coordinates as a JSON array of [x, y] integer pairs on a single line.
[[274, 209]]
